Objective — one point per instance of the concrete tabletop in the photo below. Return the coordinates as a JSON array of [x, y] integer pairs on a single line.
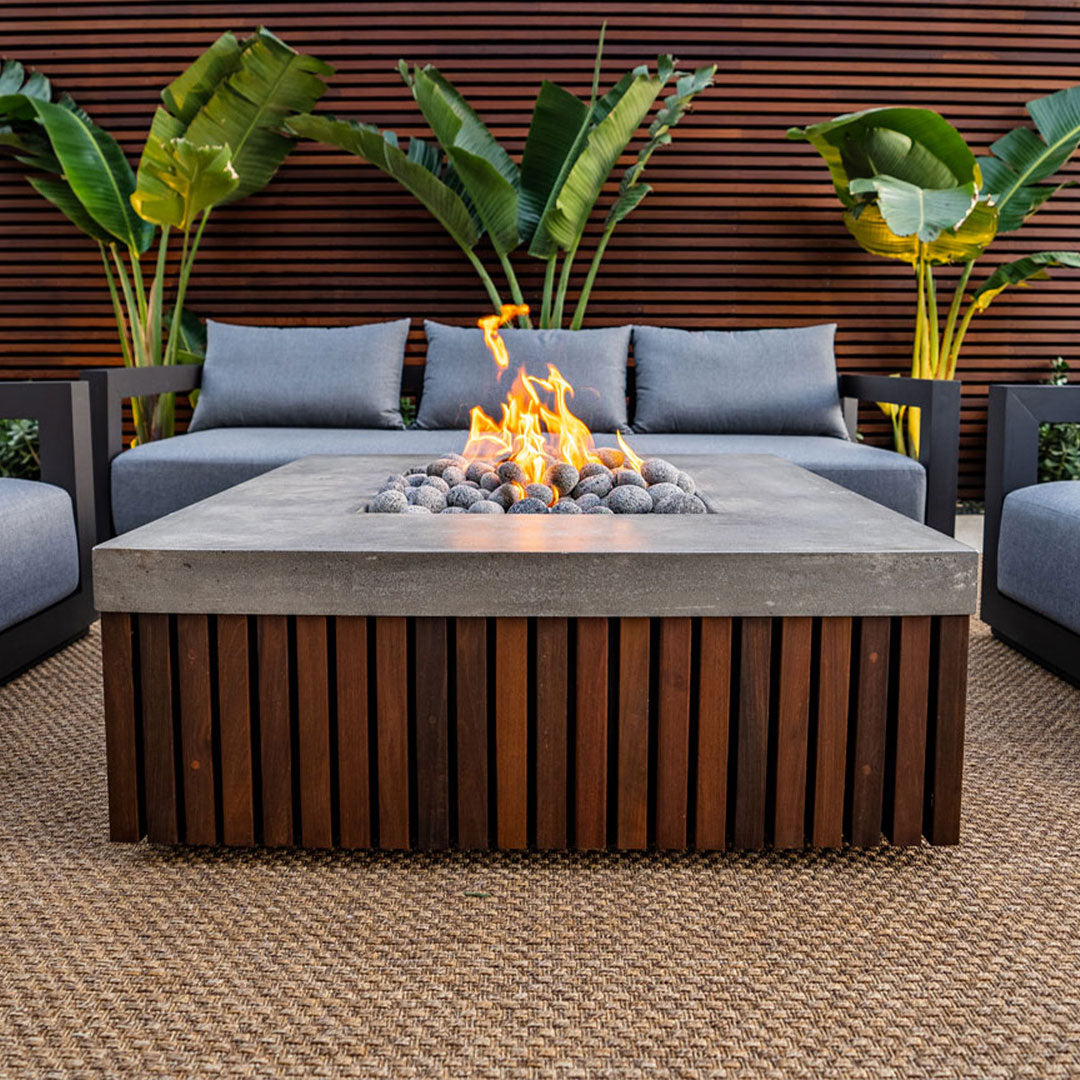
[[778, 541]]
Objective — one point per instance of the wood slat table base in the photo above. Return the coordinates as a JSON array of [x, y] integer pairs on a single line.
[[431, 733]]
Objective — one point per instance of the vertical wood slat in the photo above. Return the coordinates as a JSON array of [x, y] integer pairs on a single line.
[[275, 730], [234, 720], [313, 728], [793, 720], [913, 687], [432, 735], [714, 708], [872, 703], [392, 725], [196, 727], [943, 825], [830, 765], [121, 726], [353, 750], [552, 686], [590, 743], [511, 732], [673, 741], [632, 796], [753, 739], [155, 677], [472, 733]]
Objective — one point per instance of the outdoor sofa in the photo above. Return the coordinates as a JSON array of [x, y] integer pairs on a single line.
[[1031, 540], [280, 415], [47, 527]]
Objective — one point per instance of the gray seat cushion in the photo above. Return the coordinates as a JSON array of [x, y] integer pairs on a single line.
[[39, 552], [156, 479], [1039, 550], [742, 382], [309, 376], [460, 373]]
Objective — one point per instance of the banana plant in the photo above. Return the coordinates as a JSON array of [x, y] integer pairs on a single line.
[[216, 138], [474, 188], [913, 190]]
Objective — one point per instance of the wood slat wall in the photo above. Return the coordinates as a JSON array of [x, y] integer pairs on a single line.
[[742, 230]]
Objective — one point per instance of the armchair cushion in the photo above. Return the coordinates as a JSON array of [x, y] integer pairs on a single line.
[[1039, 550], [310, 376], [39, 553], [461, 373], [742, 382]]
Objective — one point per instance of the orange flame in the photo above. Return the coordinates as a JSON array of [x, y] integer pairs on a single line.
[[537, 428]]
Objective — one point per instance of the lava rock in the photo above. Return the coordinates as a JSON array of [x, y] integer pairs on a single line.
[[394, 483], [699, 505], [599, 510], [588, 501], [455, 510], [471, 483], [662, 491], [505, 495], [490, 481], [415, 479], [563, 477], [658, 471], [460, 495], [599, 484], [680, 503], [541, 492], [624, 477], [453, 475], [416, 510], [486, 506], [388, 502], [510, 472], [686, 482], [416, 470], [629, 499], [428, 496], [437, 468], [611, 457], [477, 470], [528, 506], [566, 506], [437, 482], [594, 468]]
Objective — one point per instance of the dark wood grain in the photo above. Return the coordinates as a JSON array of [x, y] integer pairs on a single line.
[[673, 734], [830, 765], [121, 726], [234, 718], [313, 721], [511, 732], [159, 755], [948, 747], [275, 730], [714, 709], [753, 742], [793, 718], [392, 722], [353, 720], [591, 743], [552, 684], [913, 685], [868, 770], [632, 795], [472, 733], [196, 727], [432, 738]]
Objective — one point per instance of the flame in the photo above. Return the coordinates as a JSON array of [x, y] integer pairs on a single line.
[[537, 428]]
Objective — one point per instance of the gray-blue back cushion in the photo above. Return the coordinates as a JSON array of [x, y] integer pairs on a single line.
[[740, 382], [461, 372], [302, 376]]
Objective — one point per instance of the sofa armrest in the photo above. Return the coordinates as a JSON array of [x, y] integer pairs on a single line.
[[939, 442], [62, 410], [109, 389]]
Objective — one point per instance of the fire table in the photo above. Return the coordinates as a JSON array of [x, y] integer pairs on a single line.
[[284, 668]]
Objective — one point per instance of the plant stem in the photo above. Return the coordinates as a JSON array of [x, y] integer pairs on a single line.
[[920, 318], [140, 287], [181, 289], [933, 325], [954, 311], [549, 288], [157, 290], [515, 290], [586, 289], [564, 284], [118, 311], [137, 342], [950, 371], [485, 277]]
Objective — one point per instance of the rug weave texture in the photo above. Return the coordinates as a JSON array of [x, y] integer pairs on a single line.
[[146, 961]]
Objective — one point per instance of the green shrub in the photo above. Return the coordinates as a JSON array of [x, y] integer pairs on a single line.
[[19, 449], [1059, 444]]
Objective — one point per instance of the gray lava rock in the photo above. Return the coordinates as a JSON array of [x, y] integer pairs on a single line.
[[587, 502], [528, 506], [477, 470], [510, 472], [611, 457], [415, 479], [416, 470], [599, 510], [453, 475], [394, 483], [686, 482], [541, 492], [471, 483], [699, 505], [623, 477], [455, 510], [679, 503], [562, 477], [416, 510], [436, 468], [629, 499], [658, 471], [566, 506], [437, 482], [460, 495], [490, 481], [662, 491], [428, 496], [505, 495], [599, 484], [594, 468], [388, 502], [486, 506]]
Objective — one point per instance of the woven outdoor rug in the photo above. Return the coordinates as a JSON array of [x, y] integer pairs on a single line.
[[931, 962]]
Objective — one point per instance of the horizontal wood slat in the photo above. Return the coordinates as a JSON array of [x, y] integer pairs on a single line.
[[742, 230]]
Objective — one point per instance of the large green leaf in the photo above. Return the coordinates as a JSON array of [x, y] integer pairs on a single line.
[[192, 90], [178, 181], [381, 150], [910, 210], [1031, 267], [1021, 160], [963, 244], [59, 193]]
